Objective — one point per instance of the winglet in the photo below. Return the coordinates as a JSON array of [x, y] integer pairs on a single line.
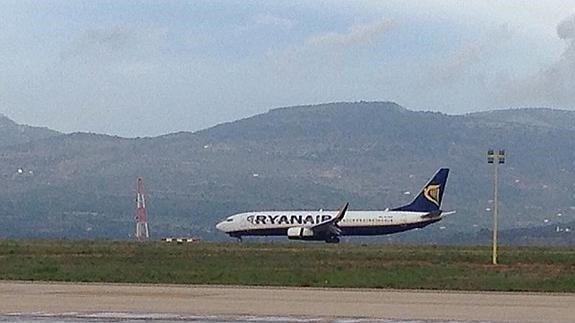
[[341, 213], [331, 225]]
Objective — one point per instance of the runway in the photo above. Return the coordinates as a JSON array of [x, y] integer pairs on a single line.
[[18, 299]]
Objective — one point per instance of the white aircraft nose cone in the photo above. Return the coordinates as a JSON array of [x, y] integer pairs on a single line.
[[220, 226]]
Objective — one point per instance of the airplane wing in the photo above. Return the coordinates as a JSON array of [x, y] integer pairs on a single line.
[[331, 225]]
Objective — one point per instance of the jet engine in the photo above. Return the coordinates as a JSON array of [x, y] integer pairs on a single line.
[[300, 233]]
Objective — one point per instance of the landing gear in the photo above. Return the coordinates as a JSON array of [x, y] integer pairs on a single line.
[[237, 237], [332, 239]]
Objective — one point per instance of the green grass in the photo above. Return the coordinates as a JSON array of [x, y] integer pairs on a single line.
[[291, 264]]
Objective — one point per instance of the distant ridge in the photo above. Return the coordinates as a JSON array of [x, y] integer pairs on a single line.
[[311, 120], [343, 105], [372, 154], [538, 117], [12, 133]]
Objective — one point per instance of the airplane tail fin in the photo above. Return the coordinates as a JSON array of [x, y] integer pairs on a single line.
[[429, 199]]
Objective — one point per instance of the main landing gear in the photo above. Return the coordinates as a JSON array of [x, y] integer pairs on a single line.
[[332, 239]]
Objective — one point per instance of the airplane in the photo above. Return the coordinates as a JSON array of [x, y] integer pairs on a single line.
[[329, 226]]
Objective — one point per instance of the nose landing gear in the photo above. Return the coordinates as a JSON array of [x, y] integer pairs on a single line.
[[239, 237]]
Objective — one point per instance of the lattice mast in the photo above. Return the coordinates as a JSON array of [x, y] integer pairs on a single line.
[[142, 232]]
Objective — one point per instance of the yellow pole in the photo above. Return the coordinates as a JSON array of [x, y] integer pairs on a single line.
[[496, 165]]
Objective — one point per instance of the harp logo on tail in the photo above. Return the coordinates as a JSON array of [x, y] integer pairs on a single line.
[[431, 193]]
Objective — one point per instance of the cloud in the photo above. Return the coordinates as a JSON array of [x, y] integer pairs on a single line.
[[326, 53], [553, 85], [456, 66], [356, 34], [99, 67], [115, 43], [271, 20], [566, 28]]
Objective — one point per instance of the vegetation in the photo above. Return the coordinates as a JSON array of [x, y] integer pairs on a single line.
[[291, 264], [372, 154]]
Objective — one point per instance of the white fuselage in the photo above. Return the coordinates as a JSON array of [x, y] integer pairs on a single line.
[[353, 223]]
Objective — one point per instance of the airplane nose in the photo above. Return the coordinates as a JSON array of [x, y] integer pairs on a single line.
[[220, 226]]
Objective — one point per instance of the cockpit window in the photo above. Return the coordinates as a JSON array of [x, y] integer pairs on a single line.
[[229, 219]]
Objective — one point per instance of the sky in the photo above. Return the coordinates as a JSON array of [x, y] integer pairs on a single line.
[[146, 68]]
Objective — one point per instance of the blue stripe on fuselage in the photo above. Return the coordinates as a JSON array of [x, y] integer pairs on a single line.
[[345, 231]]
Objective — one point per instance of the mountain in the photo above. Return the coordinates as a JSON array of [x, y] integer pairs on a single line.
[[372, 154], [536, 117], [12, 133]]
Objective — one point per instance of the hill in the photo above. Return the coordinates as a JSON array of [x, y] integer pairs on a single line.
[[372, 154], [12, 133], [537, 117]]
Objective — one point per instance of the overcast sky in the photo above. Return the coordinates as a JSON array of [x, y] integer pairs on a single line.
[[141, 68]]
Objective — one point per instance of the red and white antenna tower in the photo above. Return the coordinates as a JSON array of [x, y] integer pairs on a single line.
[[142, 232]]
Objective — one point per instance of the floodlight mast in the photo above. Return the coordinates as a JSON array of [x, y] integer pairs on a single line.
[[495, 158]]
